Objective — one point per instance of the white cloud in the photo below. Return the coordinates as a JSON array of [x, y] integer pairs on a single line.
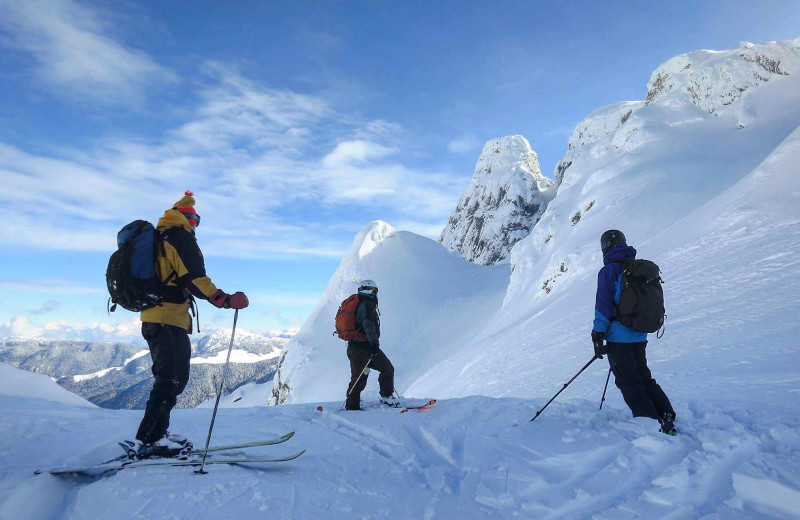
[[128, 330], [21, 327], [50, 287], [431, 230], [75, 52], [251, 155], [465, 145], [349, 152]]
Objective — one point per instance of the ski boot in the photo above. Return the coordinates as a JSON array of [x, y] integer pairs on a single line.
[[391, 401], [169, 446], [668, 424]]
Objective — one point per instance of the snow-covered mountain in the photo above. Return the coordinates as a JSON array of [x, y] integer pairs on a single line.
[[117, 375], [647, 167], [715, 203], [504, 200]]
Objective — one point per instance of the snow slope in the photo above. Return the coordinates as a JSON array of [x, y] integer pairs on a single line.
[[713, 202], [728, 260], [427, 298], [18, 384], [471, 458]]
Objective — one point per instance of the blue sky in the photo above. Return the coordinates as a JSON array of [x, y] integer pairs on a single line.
[[295, 123]]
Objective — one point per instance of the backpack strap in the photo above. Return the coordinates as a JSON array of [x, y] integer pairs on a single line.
[[624, 264]]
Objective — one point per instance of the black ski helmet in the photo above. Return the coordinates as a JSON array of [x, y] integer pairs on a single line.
[[611, 238]]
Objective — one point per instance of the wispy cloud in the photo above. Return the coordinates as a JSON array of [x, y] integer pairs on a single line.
[[252, 155], [75, 52], [354, 152], [465, 145], [47, 307], [50, 286]]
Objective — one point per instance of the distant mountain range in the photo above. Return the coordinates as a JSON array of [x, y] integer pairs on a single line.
[[117, 375]]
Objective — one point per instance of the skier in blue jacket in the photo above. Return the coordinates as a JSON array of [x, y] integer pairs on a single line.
[[625, 347]]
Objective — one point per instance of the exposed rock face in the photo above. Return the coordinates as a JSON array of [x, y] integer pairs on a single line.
[[504, 200]]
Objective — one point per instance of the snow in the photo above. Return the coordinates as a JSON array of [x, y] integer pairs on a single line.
[[470, 458], [714, 203], [715, 206], [101, 373], [237, 356], [16, 383], [427, 296], [246, 396]]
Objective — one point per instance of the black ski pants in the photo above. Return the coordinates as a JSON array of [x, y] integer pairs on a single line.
[[642, 394], [358, 353], [170, 350]]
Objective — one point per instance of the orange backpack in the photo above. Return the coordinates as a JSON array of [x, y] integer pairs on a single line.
[[346, 320]]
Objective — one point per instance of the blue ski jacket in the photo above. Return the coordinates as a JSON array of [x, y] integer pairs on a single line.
[[609, 289]]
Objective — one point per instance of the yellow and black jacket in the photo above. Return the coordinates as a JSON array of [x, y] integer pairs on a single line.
[[181, 266]]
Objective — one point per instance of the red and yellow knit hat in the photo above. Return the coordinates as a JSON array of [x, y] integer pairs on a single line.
[[186, 207]]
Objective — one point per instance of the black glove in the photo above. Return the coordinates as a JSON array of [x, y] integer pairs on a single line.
[[600, 348], [373, 347]]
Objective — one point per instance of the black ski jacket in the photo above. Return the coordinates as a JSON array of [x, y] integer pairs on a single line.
[[368, 320]]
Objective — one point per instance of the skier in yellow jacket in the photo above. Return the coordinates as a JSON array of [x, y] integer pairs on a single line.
[[166, 327]]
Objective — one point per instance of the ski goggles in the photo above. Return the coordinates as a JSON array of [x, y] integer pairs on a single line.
[[192, 216], [369, 288]]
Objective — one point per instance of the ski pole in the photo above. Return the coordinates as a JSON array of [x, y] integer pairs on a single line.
[[564, 387], [219, 394], [604, 389], [350, 390]]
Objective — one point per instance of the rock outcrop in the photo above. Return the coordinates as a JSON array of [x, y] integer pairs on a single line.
[[504, 200]]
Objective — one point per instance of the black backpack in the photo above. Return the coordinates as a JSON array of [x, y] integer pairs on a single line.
[[641, 304], [132, 277]]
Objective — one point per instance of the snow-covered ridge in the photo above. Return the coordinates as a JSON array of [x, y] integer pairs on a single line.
[[602, 122], [237, 356], [505, 198], [219, 341], [714, 81], [428, 298], [100, 373]]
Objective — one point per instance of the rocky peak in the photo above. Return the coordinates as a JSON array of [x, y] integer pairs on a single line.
[[506, 197]]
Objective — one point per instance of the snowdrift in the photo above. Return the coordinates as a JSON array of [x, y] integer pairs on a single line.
[[19, 385]]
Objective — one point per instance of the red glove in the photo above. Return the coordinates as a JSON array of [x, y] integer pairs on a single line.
[[237, 300]]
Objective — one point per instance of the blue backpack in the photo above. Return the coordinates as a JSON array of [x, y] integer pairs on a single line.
[[132, 276]]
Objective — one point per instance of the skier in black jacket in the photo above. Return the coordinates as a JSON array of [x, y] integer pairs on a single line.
[[366, 347]]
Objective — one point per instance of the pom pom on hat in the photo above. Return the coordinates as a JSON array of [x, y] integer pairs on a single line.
[[186, 204]]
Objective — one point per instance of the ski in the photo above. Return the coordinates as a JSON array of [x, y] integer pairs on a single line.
[[224, 447], [101, 469], [425, 406], [231, 447]]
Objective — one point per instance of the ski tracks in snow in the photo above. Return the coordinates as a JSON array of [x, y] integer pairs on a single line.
[[469, 458]]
